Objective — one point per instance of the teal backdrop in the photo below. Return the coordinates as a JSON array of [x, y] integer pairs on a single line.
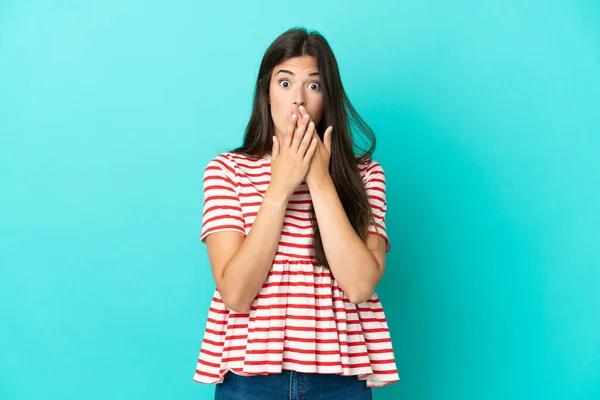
[[487, 116]]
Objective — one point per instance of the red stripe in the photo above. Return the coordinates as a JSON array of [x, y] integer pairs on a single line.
[[291, 225], [308, 318], [303, 256], [228, 360], [223, 227], [304, 295], [222, 161], [381, 351], [388, 361], [295, 245], [313, 307], [385, 372], [301, 201], [234, 348], [374, 165], [297, 235], [208, 374], [297, 284], [212, 342], [305, 191], [210, 353], [296, 262], [209, 199], [219, 187], [306, 273], [302, 219], [235, 337], [376, 188], [308, 351], [378, 172], [307, 228], [250, 166], [260, 194], [253, 184], [217, 322], [211, 309], [378, 208], [222, 207], [373, 197], [258, 174], [226, 216], [208, 364], [324, 363]]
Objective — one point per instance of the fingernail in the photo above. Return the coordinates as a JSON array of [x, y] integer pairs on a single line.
[[294, 116]]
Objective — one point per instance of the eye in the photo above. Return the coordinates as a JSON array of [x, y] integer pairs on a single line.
[[315, 85], [282, 81]]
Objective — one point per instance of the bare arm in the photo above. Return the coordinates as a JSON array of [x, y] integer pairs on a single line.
[[358, 267], [241, 264]]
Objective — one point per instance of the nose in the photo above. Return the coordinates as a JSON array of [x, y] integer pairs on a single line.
[[299, 97]]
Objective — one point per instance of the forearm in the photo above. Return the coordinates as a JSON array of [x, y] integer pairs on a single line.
[[351, 262], [247, 270]]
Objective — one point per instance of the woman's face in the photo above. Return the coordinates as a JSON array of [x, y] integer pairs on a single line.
[[295, 82]]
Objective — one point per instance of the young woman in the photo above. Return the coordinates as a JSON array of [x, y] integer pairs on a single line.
[[294, 224]]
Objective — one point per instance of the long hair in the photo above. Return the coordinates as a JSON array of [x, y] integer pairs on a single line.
[[337, 112]]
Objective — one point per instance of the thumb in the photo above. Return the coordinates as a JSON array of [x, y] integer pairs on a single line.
[[275, 151], [327, 139]]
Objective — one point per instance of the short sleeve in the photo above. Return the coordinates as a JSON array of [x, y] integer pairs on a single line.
[[376, 192], [222, 208]]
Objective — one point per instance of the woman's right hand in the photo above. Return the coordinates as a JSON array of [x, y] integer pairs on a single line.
[[291, 155]]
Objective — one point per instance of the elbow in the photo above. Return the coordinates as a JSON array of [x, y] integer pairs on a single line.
[[360, 296], [236, 305], [239, 310]]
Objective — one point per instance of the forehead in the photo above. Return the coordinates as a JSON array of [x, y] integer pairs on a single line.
[[299, 65]]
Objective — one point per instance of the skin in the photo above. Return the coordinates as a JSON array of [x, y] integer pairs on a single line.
[[241, 264]]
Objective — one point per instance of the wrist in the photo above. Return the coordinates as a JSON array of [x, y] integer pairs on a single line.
[[319, 182], [276, 197]]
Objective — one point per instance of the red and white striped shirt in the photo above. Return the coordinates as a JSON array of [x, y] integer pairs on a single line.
[[301, 320]]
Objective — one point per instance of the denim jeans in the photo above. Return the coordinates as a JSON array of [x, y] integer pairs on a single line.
[[291, 385]]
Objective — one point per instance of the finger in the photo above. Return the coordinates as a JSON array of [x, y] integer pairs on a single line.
[[299, 134], [308, 135], [296, 110], [289, 132], [303, 111], [311, 150], [275, 150], [327, 139]]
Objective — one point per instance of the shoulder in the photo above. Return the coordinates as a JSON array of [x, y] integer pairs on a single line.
[[227, 162], [234, 165], [369, 168], [234, 160], [221, 164]]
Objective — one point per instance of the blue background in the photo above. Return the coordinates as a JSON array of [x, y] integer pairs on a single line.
[[487, 115]]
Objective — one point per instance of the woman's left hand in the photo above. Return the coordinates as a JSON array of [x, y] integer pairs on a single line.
[[319, 165]]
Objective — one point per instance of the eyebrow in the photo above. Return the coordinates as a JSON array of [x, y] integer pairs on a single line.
[[293, 74]]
